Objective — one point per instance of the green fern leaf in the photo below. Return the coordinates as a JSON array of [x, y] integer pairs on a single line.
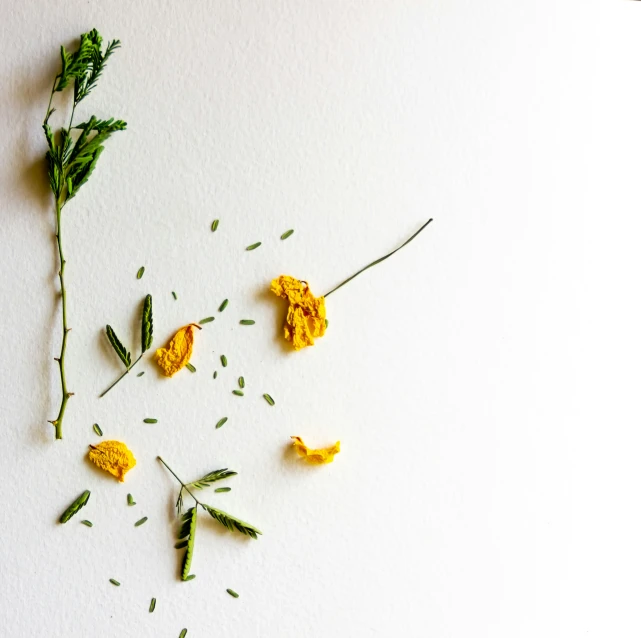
[[212, 477], [75, 507], [188, 532], [231, 523], [121, 351], [147, 325]]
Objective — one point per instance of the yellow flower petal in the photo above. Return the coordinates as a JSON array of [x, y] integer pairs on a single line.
[[306, 313], [317, 457], [113, 457], [177, 354]]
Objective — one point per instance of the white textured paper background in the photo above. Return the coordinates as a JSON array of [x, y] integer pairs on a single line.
[[483, 382]]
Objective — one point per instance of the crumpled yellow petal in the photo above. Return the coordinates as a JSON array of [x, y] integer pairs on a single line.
[[317, 457], [306, 313], [113, 457], [177, 354]]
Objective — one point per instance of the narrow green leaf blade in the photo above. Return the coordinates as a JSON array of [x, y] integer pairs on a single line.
[[121, 351], [147, 324], [75, 507]]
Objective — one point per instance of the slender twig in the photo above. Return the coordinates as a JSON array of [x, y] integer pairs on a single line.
[[65, 328], [124, 374], [176, 476], [378, 261]]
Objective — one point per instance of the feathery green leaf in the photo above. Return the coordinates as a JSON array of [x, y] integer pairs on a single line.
[[75, 507], [121, 351], [232, 523], [147, 325], [212, 477], [188, 532]]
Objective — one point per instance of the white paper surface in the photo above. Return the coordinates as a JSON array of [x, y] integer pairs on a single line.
[[483, 382]]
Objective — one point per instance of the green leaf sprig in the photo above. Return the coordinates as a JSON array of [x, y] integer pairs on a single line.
[[187, 530], [72, 156], [146, 338]]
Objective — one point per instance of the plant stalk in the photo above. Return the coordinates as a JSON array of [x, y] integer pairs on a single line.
[[176, 476], [65, 328], [124, 374]]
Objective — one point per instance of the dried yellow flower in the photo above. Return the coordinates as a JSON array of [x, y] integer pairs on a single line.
[[113, 457], [317, 457], [177, 354], [306, 313]]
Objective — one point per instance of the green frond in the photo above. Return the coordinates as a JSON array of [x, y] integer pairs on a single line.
[[212, 477], [121, 351], [187, 533], [147, 335], [232, 523]]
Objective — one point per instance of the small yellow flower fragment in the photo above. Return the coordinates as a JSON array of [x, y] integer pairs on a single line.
[[306, 313], [177, 354], [113, 457], [317, 457]]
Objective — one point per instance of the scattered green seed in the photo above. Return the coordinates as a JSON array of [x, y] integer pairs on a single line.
[[130, 500], [141, 272], [175, 296], [140, 374], [96, 429], [238, 393], [215, 373], [150, 420], [142, 521], [214, 225], [287, 234], [152, 605], [190, 367], [268, 399], [247, 322], [190, 577], [254, 246], [113, 581], [222, 489], [183, 633], [221, 422], [223, 305], [231, 592], [241, 382], [223, 360], [326, 323], [87, 523], [206, 320]]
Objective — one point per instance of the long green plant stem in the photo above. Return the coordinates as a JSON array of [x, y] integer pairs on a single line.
[[176, 476], [122, 376], [65, 328], [378, 261]]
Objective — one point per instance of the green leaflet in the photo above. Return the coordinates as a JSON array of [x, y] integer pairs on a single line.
[[232, 523], [147, 334], [188, 531], [121, 351], [75, 507], [212, 477]]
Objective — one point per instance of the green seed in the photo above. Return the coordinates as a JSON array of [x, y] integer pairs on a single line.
[[221, 422], [223, 305], [141, 272], [241, 382], [231, 592], [238, 393], [326, 323], [287, 234], [215, 373], [223, 360], [254, 246], [150, 420], [247, 322], [140, 374], [175, 296], [87, 523], [183, 633], [214, 225], [190, 367], [130, 500], [152, 605], [96, 429], [113, 581], [142, 521], [268, 399], [222, 489], [206, 320], [190, 577]]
